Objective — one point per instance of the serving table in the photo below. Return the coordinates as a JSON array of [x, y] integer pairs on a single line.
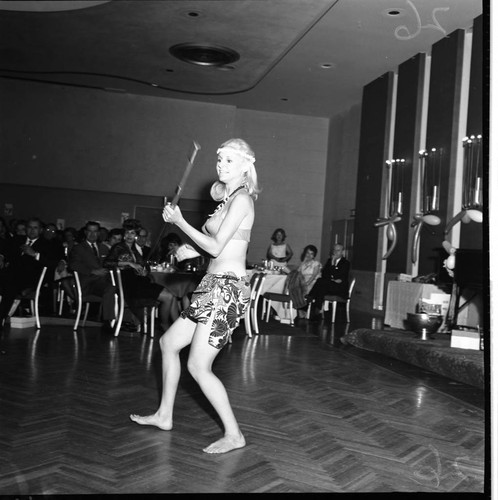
[[402, 298]]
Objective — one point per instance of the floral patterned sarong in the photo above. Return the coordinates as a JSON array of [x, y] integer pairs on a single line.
[[227, 296]]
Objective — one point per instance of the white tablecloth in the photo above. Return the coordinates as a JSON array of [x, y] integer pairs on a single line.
[[274, 283], [403, 297]]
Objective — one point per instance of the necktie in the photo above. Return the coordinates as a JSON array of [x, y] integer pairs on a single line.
[[95, 251], [30, 242]]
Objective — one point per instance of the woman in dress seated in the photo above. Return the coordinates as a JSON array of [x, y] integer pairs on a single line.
[[301, 280]]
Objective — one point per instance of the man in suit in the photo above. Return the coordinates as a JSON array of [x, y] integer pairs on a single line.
[[86, 259], [333, 281], [23, 260], [143, 248]]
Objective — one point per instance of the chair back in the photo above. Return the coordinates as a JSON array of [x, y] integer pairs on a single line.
[[351, 286], [120, 305], [258, 286]]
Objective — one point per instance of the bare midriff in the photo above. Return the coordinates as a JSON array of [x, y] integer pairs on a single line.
[[231, 259]]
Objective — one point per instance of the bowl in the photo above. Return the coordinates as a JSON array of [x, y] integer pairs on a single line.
[[424, 324]]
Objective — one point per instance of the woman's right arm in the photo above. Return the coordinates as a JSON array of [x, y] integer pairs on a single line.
[[240, 208]]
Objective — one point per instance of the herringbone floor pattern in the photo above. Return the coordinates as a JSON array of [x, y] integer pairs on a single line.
[[317, 418]]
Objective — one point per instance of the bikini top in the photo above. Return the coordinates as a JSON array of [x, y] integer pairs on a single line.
[[212, 225]]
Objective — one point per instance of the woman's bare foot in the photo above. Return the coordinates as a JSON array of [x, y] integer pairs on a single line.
[[226, 443], [156, 420]]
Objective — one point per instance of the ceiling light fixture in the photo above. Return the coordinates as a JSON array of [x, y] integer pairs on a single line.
[[393, 12], [204, 54], [327, 65]]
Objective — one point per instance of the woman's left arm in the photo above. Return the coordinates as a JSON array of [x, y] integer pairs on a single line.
[[288, 253], [241, 207]]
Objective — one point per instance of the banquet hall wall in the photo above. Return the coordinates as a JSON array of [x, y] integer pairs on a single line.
[[66, 150]]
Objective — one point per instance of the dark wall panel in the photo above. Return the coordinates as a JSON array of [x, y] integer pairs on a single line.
[[444, 90], [373, 136], [471, 235], [407, 126]]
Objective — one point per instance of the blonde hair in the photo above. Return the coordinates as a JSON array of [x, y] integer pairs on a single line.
[[218, 189]]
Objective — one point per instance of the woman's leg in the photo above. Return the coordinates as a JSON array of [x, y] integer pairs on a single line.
[[200, 361], [172, 342]]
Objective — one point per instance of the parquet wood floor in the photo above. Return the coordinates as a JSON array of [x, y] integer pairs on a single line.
[[317, 418]]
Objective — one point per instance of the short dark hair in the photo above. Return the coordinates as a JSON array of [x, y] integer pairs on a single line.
[[309, 247], [171, 238], [92, 223], [115, 231], [132, 225]]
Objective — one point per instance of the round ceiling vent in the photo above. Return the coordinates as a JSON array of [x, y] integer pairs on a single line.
[[203, 54]]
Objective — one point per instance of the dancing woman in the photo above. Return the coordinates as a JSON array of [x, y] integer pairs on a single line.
[[221, 298]]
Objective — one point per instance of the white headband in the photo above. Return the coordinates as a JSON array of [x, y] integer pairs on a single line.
[[228, 149]]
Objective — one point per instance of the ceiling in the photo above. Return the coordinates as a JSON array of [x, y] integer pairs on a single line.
[[306, 57]]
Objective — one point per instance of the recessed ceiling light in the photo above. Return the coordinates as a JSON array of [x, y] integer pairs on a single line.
[[204, 54], [328, 65], [393, 12]]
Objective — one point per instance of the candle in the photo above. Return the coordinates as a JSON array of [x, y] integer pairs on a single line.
[[435, 201], [400, 203], [477, 197]]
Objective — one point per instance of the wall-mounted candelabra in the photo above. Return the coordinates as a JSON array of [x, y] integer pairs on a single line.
[[395, 202], [472, 183], [430, 194]]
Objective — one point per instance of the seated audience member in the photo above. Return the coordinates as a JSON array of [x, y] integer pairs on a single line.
[[4, 231], [142, 243], [115, 236], [188, 258], [69, 239], [168, 247], [50, 235], [301, 280], [86, 258], [17, 227], [23, 259], [334, 280], [50, 231], [279, 251], [137, 286]]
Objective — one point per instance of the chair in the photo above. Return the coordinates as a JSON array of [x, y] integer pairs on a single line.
[[33, 295], [150, 310], [334, 299], [251, 314], [283, 298], [92, 299], [63, 288]]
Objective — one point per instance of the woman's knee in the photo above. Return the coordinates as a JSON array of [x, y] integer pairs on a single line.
[[169, 343], [198, 367]]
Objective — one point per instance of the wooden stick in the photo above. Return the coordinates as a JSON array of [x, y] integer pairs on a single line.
[[188, 168], [179, 190]]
